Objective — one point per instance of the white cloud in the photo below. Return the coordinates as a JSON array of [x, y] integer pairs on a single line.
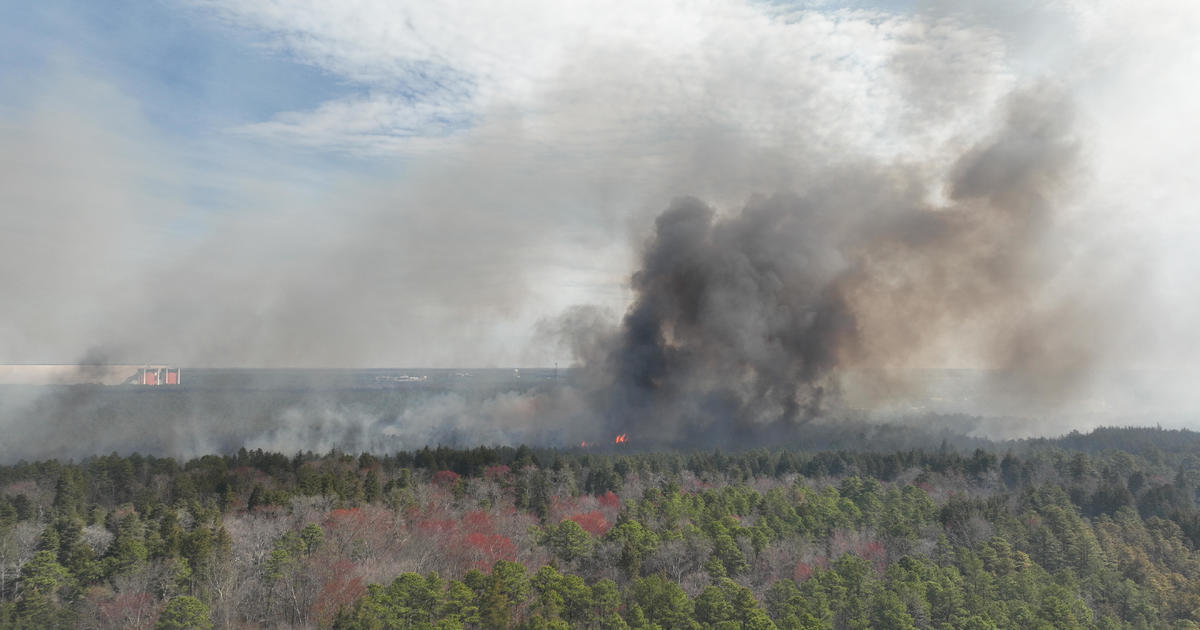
[[372, 123], [611, 76]]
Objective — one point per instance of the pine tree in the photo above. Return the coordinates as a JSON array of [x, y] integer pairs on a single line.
[[184, 613]]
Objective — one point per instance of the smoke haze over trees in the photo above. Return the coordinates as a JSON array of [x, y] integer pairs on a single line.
[[599, 315]]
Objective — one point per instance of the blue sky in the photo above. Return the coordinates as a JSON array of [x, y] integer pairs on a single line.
[[192, 75], [200, 69]]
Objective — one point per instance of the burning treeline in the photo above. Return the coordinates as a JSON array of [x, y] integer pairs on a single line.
[[748, 319]]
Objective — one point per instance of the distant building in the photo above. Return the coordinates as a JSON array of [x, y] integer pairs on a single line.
[[158, 375]]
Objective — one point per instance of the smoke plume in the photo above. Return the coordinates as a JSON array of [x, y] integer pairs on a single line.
[[876, 212], [757, 318]]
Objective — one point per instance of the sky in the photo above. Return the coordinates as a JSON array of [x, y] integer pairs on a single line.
[[264, 183]]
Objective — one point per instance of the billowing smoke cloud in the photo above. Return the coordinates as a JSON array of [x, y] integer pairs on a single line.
[[873, 194], [755, 317]]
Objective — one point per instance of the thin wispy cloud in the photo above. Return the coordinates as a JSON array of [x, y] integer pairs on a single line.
[[600, 76]]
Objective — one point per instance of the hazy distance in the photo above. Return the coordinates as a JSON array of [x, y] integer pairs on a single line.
[[726, 218]]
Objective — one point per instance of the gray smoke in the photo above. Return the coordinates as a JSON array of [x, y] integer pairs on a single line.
[[870, 197], [757, 318]]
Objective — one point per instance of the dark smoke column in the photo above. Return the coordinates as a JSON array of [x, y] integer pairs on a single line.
[[747, 323], [735, 325]]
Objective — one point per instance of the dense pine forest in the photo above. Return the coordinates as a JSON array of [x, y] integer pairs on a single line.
[[1088, 531]]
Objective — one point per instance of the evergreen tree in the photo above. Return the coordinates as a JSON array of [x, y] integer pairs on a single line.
[[184, 613]]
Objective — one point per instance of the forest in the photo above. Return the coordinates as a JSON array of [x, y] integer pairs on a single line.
[[1097, 530]]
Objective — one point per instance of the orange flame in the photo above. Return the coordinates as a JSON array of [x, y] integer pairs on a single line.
[[621, 439]]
